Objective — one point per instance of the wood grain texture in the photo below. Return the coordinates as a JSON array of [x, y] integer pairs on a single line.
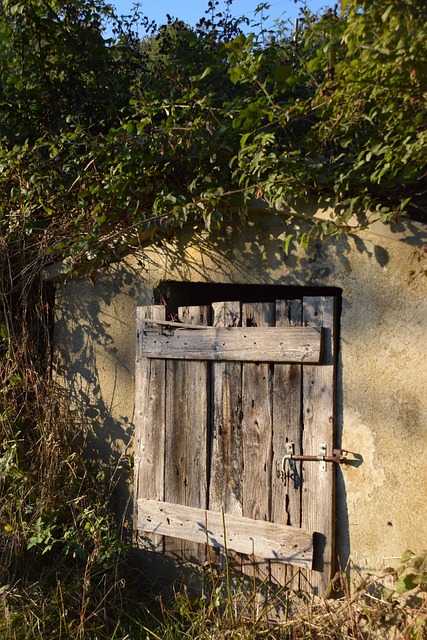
[[246, 344], [287, 427], [225, 491], [149, 423], [257, 433], [318, 512], [187, 415], [224, 531], [225, 488]]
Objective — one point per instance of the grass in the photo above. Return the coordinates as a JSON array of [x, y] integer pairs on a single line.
[[66, 574], [84, 601]]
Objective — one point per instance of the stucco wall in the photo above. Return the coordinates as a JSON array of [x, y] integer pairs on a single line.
[[382, 400]]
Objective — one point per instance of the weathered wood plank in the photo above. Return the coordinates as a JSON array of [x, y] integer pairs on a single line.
[[225, 487], [149, 423], [243, 344], [257, 432], [225, 492], [224, 531], [287, 427], [318, 511], [187, 413]]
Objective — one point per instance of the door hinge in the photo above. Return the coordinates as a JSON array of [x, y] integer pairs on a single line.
[[290, 457]]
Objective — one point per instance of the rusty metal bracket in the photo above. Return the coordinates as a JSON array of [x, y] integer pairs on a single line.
[[290, 457]]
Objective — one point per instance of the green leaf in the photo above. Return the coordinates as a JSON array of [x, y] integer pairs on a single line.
[[282, 74], [47, 209], [287, 243], [386, 13], [238, 42], [17, 8], [236, 73], [130, 127], [422, 580], [406, 582], [420, 563], [206, 72], [244, 139], [313, 65], [4, 334], [407, 556]]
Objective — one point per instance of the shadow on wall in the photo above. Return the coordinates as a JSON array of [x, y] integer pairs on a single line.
[[253, 254], [94, 333], [93, 339]]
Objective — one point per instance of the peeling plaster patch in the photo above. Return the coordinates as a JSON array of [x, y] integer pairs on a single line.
[[363, 481]]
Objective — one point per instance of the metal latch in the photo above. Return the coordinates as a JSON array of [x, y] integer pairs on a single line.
[[290, 457]]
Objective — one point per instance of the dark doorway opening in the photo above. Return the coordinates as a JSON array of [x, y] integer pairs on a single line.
[[175, 294]]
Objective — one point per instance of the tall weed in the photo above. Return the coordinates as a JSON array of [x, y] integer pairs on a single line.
[[65, 572]]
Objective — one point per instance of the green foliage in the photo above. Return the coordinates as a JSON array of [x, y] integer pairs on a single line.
[[101, 140], [374, 117], [63, 562], [108, 142], [413, 573]]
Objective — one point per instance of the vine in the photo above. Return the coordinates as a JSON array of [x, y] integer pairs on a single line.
[[101, 138]]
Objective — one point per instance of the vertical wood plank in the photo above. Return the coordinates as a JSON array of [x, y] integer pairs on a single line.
[[187, 413], [318, 512], [257, 433], [149, 423], [287, 427], [225, 488], [225, 491]]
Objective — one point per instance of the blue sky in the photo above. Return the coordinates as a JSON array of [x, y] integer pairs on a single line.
[[192, 10]]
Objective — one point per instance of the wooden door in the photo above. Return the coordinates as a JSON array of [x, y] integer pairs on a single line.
[[222, 394]]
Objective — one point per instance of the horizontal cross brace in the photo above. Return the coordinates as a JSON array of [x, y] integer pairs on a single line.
[[267, 540], [249, 344]]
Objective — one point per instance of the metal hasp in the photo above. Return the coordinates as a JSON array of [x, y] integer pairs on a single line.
[[337, 457]]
